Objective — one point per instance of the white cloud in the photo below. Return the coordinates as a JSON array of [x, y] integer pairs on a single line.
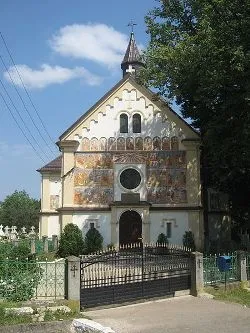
[[96, 42], [47, 75], [15, 150]]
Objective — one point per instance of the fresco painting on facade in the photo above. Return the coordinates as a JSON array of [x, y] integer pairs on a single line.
[[121, 143], [90, 161], [156, 143], [103, 144], [138, 143], [94, 144], [93, 178], [165, 143], [112, 143], [147, 143], [93, 195], [85, 144], [165, 176], [174, 143], [129, 144], [54, 201]]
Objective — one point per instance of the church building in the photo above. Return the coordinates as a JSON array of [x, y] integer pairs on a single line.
[[129, 166]]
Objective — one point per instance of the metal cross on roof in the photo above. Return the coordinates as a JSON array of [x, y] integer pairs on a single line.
[[132, 24]]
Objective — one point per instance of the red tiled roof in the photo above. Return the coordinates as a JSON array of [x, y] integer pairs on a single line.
[[54, 165]]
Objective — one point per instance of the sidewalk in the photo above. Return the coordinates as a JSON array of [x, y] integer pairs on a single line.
[[176, 315]]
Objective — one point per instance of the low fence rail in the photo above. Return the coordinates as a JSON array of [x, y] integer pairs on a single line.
[[27, 279], [212, 274], [248, 265]]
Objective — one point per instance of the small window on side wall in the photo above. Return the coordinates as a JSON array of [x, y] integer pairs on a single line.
[[123, 123], [136, 123], [169, 229]]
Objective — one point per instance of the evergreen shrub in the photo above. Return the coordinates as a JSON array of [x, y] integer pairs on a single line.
[[71, 241]]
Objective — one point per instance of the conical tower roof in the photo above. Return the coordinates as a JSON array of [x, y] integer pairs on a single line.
[[132, 57]]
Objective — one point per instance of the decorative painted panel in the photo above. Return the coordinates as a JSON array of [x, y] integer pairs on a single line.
[[93, 179], [130, 143], [54, 201], [165, 176]]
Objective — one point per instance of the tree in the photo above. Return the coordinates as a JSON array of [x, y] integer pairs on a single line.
[[71, 241], [93, 240], [198, 56], [162, 239], [188, 240], [20, 210]]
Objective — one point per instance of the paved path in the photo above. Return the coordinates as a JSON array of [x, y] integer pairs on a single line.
[[185, 314]]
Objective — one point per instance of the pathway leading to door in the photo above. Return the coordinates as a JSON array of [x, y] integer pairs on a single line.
[[176, 315]]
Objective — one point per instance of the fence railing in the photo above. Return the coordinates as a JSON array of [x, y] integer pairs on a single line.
[[212, 274], [248, 266], [27, 279]]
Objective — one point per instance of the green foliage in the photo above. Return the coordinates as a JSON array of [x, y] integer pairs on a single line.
[[20, 210], [18, 277], [93, 241], [162, 239], [71, 241], [198, 56], [21, 251], [188, 240]]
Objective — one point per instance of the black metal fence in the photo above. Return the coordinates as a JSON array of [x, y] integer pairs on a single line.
[[133, 272]]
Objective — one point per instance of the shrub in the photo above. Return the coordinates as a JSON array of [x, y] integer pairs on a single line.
[[71, 241], [162, 239], [93, 240], [188, 240], [18, 277]]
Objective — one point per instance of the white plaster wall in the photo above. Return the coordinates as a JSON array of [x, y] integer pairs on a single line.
[[55, 186], [158, 225], [119, 189], [53, 225], [107, 121], [101, 220]]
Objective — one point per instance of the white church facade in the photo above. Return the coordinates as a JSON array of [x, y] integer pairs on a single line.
[[130, 166]]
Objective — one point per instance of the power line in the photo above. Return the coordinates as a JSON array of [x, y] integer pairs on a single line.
[[26, 127], [24, 105], [7, 106], [37, 113]]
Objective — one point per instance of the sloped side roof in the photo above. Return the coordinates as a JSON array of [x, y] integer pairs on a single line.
[[54, 165]]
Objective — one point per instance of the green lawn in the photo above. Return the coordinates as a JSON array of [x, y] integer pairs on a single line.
[[236, 295]]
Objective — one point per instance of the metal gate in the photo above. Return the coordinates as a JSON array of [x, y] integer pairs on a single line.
[[132, 273]]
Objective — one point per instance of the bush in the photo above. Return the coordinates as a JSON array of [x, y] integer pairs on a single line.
[[18, 277], [71, 241], [162, 239], [93, 240], [188, 240]]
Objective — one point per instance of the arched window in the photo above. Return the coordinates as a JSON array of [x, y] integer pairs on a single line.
[[123, 123], [136, 123]]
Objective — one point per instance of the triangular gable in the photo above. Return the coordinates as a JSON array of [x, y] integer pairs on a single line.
[[159, 102]]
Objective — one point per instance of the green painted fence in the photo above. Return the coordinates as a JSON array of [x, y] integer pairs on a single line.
[[248, 266], [31, 279], [211, 273]]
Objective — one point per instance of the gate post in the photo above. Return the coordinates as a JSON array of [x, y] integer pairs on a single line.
[[74, 274], [197, 282], [242, 267]]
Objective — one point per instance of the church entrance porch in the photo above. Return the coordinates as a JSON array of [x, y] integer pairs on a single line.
[[130, 228]]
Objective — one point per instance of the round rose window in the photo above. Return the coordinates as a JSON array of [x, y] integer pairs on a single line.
[[130, 178]]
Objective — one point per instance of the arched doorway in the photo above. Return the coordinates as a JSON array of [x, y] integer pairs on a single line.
[[130, 227]]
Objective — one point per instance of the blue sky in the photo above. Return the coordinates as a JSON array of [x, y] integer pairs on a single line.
[[68, 54]]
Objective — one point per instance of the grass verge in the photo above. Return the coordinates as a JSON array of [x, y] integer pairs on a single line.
[[48, 315], [236, 295]]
